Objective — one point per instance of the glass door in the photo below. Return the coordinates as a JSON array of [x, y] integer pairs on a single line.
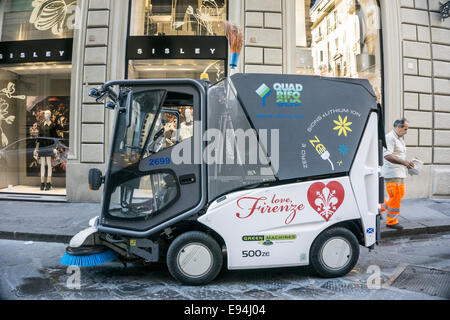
[[146, 184]]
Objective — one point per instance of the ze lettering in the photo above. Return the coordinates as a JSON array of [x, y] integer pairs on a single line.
[[320, 148]]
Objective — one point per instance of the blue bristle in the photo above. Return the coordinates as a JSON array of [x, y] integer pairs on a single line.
[[90, 260]]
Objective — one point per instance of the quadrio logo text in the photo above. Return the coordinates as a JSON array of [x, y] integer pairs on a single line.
[[287, 94]]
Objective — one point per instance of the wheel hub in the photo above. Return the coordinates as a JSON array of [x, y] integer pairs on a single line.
[[195, 260], [336, 253]]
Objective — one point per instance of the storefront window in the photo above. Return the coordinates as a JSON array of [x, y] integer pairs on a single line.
[[34, 128], [32, 20], [178, 17], [338, 38], [35, 71]]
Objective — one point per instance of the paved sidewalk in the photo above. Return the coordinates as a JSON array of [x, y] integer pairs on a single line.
[[44, 221], [58, 222]]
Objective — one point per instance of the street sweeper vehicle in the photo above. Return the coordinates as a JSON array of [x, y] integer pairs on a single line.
[[255, 171]]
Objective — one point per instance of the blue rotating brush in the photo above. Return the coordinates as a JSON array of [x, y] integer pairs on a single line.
[[87, 256]]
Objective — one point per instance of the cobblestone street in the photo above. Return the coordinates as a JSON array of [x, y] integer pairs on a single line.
[[31, 270]]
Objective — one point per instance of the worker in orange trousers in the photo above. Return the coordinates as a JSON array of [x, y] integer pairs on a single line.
[[394, 172]]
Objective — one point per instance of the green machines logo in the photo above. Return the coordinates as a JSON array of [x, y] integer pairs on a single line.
[[269, 239]]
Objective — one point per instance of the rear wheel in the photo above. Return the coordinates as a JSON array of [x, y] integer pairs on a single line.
[[194, 258], [334, 253]]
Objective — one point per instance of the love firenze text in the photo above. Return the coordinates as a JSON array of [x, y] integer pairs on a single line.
[[274, 206]]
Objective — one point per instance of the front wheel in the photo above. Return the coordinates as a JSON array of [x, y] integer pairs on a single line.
[[194, 258], [334, 253]]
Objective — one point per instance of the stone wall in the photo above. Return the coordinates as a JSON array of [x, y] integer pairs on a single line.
[[90, 116], [426, 94], [263, 47], [95, 66]]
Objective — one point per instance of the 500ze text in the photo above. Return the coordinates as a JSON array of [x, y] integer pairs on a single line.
[[254, 253]]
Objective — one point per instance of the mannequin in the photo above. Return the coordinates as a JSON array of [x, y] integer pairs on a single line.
[[187, 127], [170, 131], [43, 153]]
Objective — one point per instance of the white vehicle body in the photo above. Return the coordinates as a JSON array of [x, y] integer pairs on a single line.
[[276, 226], [310, 199]]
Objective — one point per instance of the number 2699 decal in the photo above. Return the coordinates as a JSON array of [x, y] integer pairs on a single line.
[[159, 161]]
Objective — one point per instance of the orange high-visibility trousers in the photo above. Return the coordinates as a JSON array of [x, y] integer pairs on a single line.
[[396, 191]]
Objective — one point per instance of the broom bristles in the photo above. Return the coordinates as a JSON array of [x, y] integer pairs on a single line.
[[89, 260], [235, 36]]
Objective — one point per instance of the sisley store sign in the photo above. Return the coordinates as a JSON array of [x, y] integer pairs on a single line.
[[174, 47], [51, 50]]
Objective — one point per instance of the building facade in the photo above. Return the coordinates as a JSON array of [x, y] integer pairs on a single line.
[[53, 52]]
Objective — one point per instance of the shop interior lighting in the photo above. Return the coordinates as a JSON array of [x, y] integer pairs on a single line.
[[169, 69], [36, 67]]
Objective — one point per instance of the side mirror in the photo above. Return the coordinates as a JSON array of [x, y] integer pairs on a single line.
[[95, 179]]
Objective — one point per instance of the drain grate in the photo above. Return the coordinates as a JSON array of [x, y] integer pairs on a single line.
[[424, 280]]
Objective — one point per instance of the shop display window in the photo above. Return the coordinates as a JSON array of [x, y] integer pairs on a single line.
[[34, 127], [35, 81]]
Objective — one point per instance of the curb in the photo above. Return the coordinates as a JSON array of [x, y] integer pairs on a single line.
[[414, 231], [61, 238], [38, 237]]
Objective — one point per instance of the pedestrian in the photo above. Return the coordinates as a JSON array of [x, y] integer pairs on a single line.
[[394, 172]]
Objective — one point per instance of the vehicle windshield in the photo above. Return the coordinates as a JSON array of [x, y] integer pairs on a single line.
[[129, 143]]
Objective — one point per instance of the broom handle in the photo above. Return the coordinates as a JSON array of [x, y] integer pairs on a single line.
[[232, 71]]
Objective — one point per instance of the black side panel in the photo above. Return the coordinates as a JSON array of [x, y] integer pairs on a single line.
[[320, 120]]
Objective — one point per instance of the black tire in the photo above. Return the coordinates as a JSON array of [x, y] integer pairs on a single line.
[[194, 258], [330, 260]]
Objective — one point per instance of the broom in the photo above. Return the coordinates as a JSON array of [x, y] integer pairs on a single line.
[[87, 256], [235, 39]]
